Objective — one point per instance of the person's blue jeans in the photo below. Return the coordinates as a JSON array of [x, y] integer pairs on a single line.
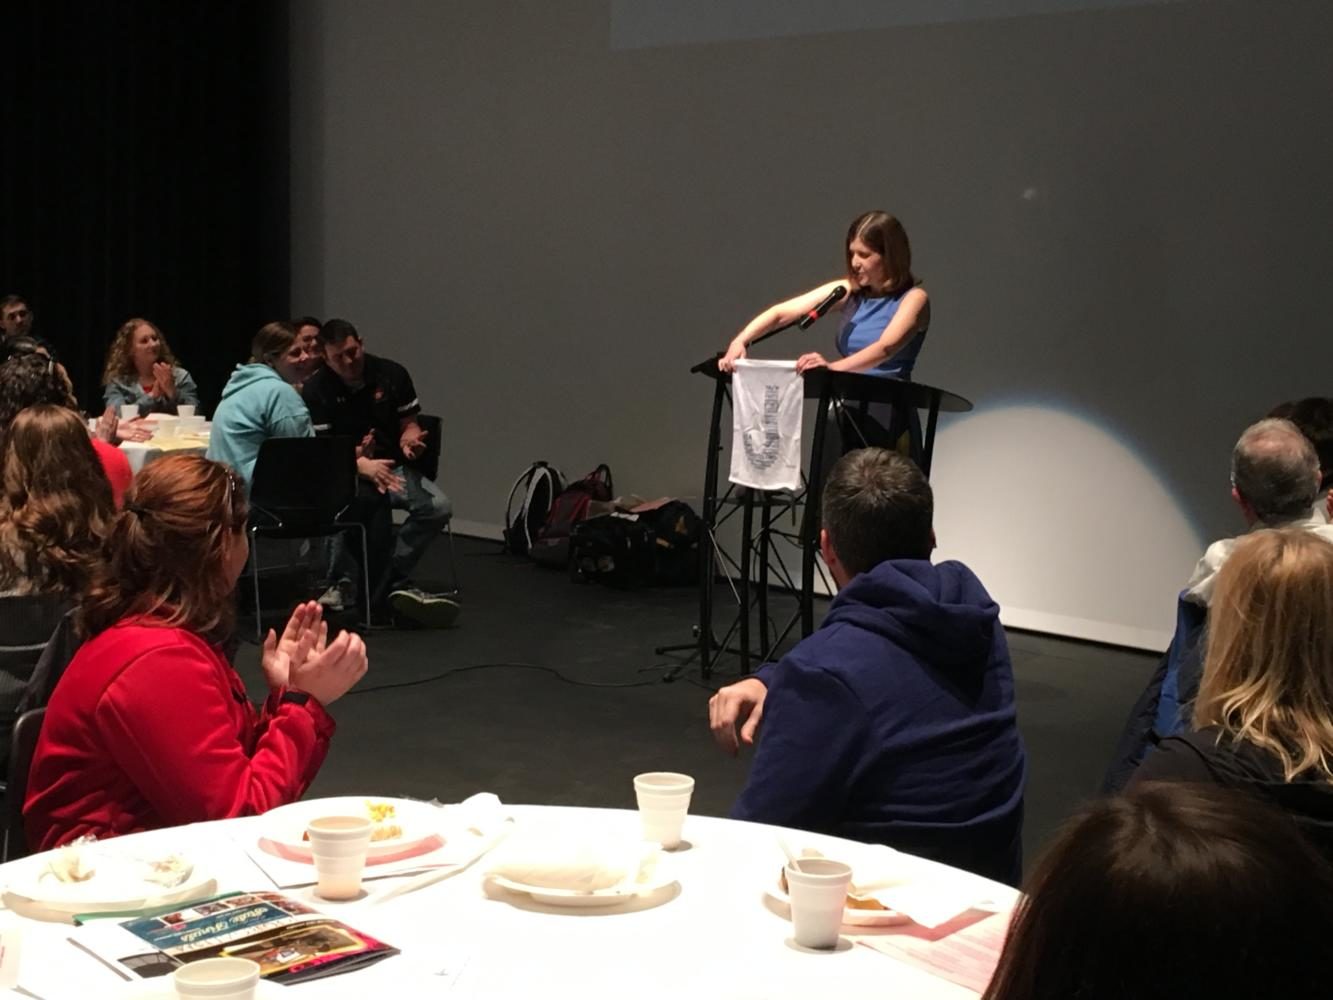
[[428, 511]]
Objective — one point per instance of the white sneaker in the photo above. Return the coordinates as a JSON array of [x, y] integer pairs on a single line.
[[336, 598]]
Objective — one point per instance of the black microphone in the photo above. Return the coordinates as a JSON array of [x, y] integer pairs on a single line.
[[838, 292]]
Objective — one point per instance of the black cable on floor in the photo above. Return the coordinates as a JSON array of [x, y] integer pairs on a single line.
[[490, 666]]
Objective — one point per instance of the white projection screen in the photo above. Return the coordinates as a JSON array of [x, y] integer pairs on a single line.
[[550, 211]]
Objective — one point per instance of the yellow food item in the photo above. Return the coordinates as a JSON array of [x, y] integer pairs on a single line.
[[382, 814]]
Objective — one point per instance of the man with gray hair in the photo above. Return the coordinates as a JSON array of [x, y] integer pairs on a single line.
[[1275, 477]]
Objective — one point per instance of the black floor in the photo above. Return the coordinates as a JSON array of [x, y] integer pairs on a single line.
[[530, 735]]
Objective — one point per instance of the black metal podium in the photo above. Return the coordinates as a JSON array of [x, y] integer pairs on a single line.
[[829, 388]]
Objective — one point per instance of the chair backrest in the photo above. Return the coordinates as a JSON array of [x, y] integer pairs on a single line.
[[22, 745], [304, 479], [36, 642], [429, 462]]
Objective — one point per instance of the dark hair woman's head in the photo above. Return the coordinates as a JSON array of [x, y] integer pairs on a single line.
[[175, 550], [1169, 891], [882, 234], [55, 503], [28, 380]]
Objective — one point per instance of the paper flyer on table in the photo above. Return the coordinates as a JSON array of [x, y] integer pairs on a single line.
[[964, 951], [291, 941]]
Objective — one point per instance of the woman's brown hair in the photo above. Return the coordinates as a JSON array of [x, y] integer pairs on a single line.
[[166, 555], [1268, 670], [120, 359], [885, 235], [271, 342], [55, 503], [1171, 891]]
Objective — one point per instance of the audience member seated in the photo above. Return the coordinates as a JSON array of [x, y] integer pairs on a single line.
[[1169, 892], [1263, 717], [1314, 417], [360, 395], [141, 370], [55, 507], [150, 725], [307, 332], [894, 722], [31, 379], [260, 401], [15, 318], [1275, 476]]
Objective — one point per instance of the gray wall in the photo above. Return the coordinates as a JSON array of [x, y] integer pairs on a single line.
[[1122, 217]]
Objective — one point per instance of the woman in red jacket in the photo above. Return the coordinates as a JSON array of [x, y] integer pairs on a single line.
[[150, 725]]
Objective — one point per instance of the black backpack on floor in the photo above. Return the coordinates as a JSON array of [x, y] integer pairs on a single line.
[[539, 485], [653, 547]]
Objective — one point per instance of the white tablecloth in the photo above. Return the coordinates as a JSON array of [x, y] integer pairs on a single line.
[[715, 938], [140, 453]]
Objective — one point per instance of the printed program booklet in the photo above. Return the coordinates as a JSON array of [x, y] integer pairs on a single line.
[[291, 942]]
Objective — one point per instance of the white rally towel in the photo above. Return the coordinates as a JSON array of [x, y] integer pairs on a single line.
[[766, 412]]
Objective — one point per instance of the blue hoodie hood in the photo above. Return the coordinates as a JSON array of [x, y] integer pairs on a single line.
[[939, 613], [256, 405]]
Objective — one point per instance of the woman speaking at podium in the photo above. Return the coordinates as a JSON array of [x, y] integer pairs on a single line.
[[884, 321]]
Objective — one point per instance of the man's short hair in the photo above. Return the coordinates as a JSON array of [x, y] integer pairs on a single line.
[[877, 505], [335, 331], [301, 321], [1275, 470], [12, 300]]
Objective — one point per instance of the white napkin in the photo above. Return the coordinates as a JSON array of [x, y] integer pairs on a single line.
[[928, 894], [581, 861]]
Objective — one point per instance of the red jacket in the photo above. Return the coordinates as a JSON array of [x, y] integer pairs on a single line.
[[151, 727], [117, 469]]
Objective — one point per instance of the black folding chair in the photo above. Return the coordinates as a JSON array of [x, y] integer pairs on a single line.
[[429, 464], [22, 745], [302, 488]]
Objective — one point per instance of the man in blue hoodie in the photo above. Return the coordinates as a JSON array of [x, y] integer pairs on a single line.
[[894, 722]]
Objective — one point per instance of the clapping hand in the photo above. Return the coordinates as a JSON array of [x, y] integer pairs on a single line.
[[306, 635], [164, 381], [366, 448], [107, 426], [329, 673]]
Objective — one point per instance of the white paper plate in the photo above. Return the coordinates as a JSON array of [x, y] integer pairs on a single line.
[[587, 897], [34, 892], [285, 826], [161, 989], [851, 916]]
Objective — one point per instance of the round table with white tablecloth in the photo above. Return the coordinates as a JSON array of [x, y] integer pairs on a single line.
[[713, 933], [140, 453]]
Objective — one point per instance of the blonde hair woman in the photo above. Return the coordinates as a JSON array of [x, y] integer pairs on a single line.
[[1263, 717], [140, 369]]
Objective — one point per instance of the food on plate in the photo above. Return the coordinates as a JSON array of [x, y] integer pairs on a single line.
[[851, 902], [169, 872], [73, 862], [383, 819], [383, 815]]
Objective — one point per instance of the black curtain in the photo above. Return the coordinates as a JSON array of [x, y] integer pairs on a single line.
[[145, 174]]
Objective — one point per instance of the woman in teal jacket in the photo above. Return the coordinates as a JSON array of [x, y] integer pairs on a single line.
[[260, 400]]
